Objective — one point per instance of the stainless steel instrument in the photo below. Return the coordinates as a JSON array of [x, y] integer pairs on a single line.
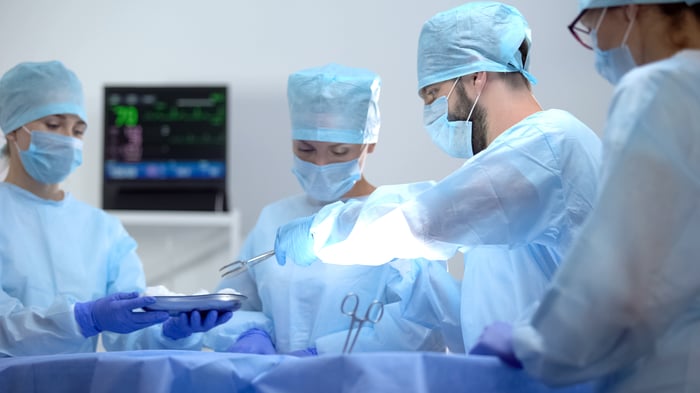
[[237, 267], [374, 313]]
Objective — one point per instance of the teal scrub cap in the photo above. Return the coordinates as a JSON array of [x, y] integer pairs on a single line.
[[474, 37], [586, 4], [334, 103], [30, 91]]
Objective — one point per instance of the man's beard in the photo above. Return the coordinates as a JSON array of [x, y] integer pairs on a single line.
[[478, 118]]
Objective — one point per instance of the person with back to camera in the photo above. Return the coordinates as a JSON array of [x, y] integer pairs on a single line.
[[334, 111], [68, 271], [624, 308]]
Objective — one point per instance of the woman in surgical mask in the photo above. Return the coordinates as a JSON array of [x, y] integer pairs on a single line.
[[68, 271], [329, 171], [335, 124], [624, 308]]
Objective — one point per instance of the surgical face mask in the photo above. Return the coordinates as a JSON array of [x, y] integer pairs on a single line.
[[614, 63], [51, 157], [327, 183], [454, 137]]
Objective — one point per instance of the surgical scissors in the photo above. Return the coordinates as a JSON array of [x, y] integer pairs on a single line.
[[238, 267], [374, 313]]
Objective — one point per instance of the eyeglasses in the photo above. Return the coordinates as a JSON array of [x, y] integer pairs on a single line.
[[581, 32]]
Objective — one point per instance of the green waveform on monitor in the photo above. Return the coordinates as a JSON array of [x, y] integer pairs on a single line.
[[196, 114]]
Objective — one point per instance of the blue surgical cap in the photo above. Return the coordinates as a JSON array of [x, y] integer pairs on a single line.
[[474, 37], [30, 91], [586, 4], [334, 103]]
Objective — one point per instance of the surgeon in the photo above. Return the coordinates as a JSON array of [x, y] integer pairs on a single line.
[[68, 271], [515, 205], [335, 121], [625, 306]]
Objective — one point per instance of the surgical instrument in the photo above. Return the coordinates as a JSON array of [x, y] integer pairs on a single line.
[[237, 267], [374, 313]]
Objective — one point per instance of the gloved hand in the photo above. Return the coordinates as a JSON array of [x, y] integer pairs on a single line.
[[195, 321], [302, 353], [254, 341], [497, 340], [294, 240], [114, 313]]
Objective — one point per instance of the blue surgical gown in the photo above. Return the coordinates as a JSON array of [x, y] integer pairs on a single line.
[[54, 254], [303, 303], [513, 209], [625, 305]]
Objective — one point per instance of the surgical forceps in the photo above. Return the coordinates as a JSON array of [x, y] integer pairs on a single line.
[[237, 267], [373, 314]]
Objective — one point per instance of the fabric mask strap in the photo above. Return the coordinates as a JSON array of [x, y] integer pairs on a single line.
[[23, 128], [629, 30], [600, 19], [452, 88], [469, 116]]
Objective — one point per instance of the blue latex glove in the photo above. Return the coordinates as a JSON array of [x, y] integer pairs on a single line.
[[195, 321], [497, 340], [114, 313], [254, 341], [294, 240], [302, 353]]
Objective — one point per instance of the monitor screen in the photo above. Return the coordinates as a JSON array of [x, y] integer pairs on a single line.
[[164, 138]]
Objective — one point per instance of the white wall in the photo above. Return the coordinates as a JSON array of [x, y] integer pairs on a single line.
[[253, 46]]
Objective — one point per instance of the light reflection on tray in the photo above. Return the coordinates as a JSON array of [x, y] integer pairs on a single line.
[[174, 305]]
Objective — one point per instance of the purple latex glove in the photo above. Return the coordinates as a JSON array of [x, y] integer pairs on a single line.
[[497, 340], [254, 341], [115, 313], [195, 321], [302, 353], [294, 240]]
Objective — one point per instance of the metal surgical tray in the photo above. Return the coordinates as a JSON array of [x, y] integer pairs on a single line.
[[215, 301]]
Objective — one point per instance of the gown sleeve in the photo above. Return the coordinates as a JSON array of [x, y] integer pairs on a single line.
[[28, 330], [509, 194]]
